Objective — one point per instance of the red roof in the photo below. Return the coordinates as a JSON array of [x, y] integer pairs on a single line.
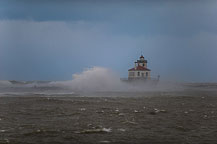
[[139, 68], [142, 56]]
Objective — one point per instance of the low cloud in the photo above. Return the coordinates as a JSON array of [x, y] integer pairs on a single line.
[[53, 50]]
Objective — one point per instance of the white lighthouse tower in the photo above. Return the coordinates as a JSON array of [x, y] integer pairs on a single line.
[[140, 71]]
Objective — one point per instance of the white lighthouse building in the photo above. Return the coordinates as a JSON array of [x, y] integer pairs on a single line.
[[140, 70]]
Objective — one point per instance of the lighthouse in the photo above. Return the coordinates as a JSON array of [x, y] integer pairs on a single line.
[[140, 70]]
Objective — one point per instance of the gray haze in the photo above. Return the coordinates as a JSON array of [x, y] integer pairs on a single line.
[[53, 39]]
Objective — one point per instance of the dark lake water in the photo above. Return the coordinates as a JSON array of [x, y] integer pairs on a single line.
[[162, 117]]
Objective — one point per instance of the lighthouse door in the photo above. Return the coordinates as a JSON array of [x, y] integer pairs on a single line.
[[146, 74]]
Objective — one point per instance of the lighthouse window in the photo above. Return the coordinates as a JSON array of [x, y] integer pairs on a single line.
[[138, 73], [131, 74], [146, 73], [143, 64]]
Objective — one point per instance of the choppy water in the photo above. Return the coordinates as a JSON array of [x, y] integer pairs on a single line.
[[46, 88], [29, 88], [41, 112]]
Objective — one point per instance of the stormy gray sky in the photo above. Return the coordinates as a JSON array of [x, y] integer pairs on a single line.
[[52, 39]]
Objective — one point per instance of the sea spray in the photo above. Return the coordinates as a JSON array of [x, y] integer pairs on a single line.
[[95, 79], [98, 79]]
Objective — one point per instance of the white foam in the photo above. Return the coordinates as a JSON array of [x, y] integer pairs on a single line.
[[95, 79], [4, 83]]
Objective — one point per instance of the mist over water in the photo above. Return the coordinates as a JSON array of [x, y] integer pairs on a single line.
[[95, 79], [104, 79]]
